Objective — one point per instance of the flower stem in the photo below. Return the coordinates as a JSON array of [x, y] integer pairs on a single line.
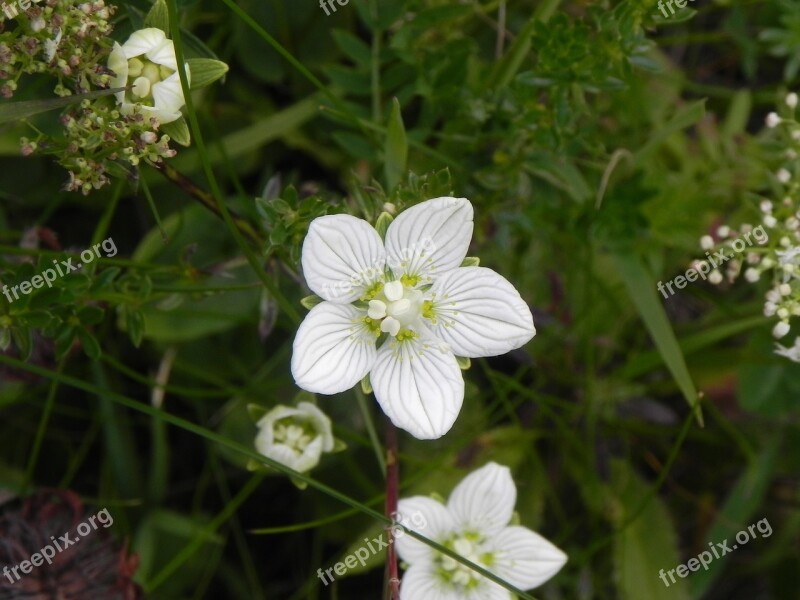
[[207, 200], [392, 587]]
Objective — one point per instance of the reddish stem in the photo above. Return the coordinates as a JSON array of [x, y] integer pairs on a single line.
[[392, 488]]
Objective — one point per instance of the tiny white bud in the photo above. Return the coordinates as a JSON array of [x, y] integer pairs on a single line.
[[796, 134], [785, 289], [149, 137], [706, 242], [784, 176], [767, 263], [752, 275], [769, 309], [782, 313], [773, 120], [765, 206], [715, 277], [770, 221], [791, 100], [780, 330], [723, 231], [785, 242]]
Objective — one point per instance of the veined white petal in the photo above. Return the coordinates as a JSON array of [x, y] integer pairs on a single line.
[[489, 590], [168, 96], [279, 453], [119, 64], [310, 456], [426, 516], [479, 313], [342, 257], [524, 558], [419, 386], [143, 41], [321, 423], [484, 500], [164, 54], [429, 238], [333, 349], [163, 116], [421, 582]]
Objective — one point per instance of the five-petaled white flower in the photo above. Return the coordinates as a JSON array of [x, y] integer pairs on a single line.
[[792, 353], [147, 62], [295, 437], [475, 525], [401, 311]]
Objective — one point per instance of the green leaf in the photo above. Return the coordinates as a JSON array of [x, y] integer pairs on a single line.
[[16, 111], [746, 497], [685, 117], [90, 344], [158, 16], [205, 71], [645, 546], [642, 290], [396, 149], [178, 131]]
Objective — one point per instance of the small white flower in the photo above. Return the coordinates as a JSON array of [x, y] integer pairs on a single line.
[[147, 62], [715, 277], [792, 353], [706, 242], [412, 289], [752, 275], [783, 175], [770, 221], [295, 437], [773, 120], [791, 100], [474, 524], [723, 231], [780, 329], [765, 206], [769, 309]]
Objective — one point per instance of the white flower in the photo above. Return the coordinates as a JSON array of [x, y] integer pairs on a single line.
[[295, 437], [780, 329], [474, 524], [792, 353], [773, 120], [147, 62], [791, 100], [413, 290]]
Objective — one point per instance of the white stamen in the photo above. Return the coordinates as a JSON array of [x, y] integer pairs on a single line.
[[395, 309], [393, 291], [377, 309], [141, 87], [391, 326]]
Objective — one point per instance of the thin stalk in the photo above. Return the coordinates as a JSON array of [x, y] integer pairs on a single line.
[[392, 587]]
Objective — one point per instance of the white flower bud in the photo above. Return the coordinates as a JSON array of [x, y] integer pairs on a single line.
[[770, 221], [769, 309], [791, 100], [785, 289], [765, 206], [773, 120], [715, 277], [783, 176], [780, 330], [706, 242], [723, 231], [752, 275]]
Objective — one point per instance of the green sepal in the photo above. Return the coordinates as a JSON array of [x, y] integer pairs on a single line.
[[311, 301], [471, 261], [464, 362], [256, 411], [205, 71], [515, 520], [366, 385], [437, 497], [158, 16], [178, 131], [304, 396], [338, 446], [300, 485], [383, 222], [254, 465]]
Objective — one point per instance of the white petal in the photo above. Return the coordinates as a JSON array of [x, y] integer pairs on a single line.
[[321, 423], [333, 350], [430, 238], [419, 386], [164, 54], [420, 582], [479, 313], [168, 96], [342, 257], [484, 500], [280, 453], [310, 456], [143, 41], [426, 516], [489, 590], [163, 116], [119, 64], [524, 558]]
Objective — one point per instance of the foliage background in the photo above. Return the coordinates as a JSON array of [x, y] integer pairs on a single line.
[[597, 142]]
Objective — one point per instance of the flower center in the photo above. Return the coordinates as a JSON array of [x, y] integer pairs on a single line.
[[395, 307], [457, 574], [143, 74], [293, 434]]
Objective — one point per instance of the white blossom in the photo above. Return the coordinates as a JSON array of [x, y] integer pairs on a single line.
[[295, 436], [147, 63], [401, 311], [475, 524]]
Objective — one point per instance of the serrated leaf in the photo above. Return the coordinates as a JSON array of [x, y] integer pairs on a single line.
[[205, 71], [158, 16], [178, 131], [396, 149]]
